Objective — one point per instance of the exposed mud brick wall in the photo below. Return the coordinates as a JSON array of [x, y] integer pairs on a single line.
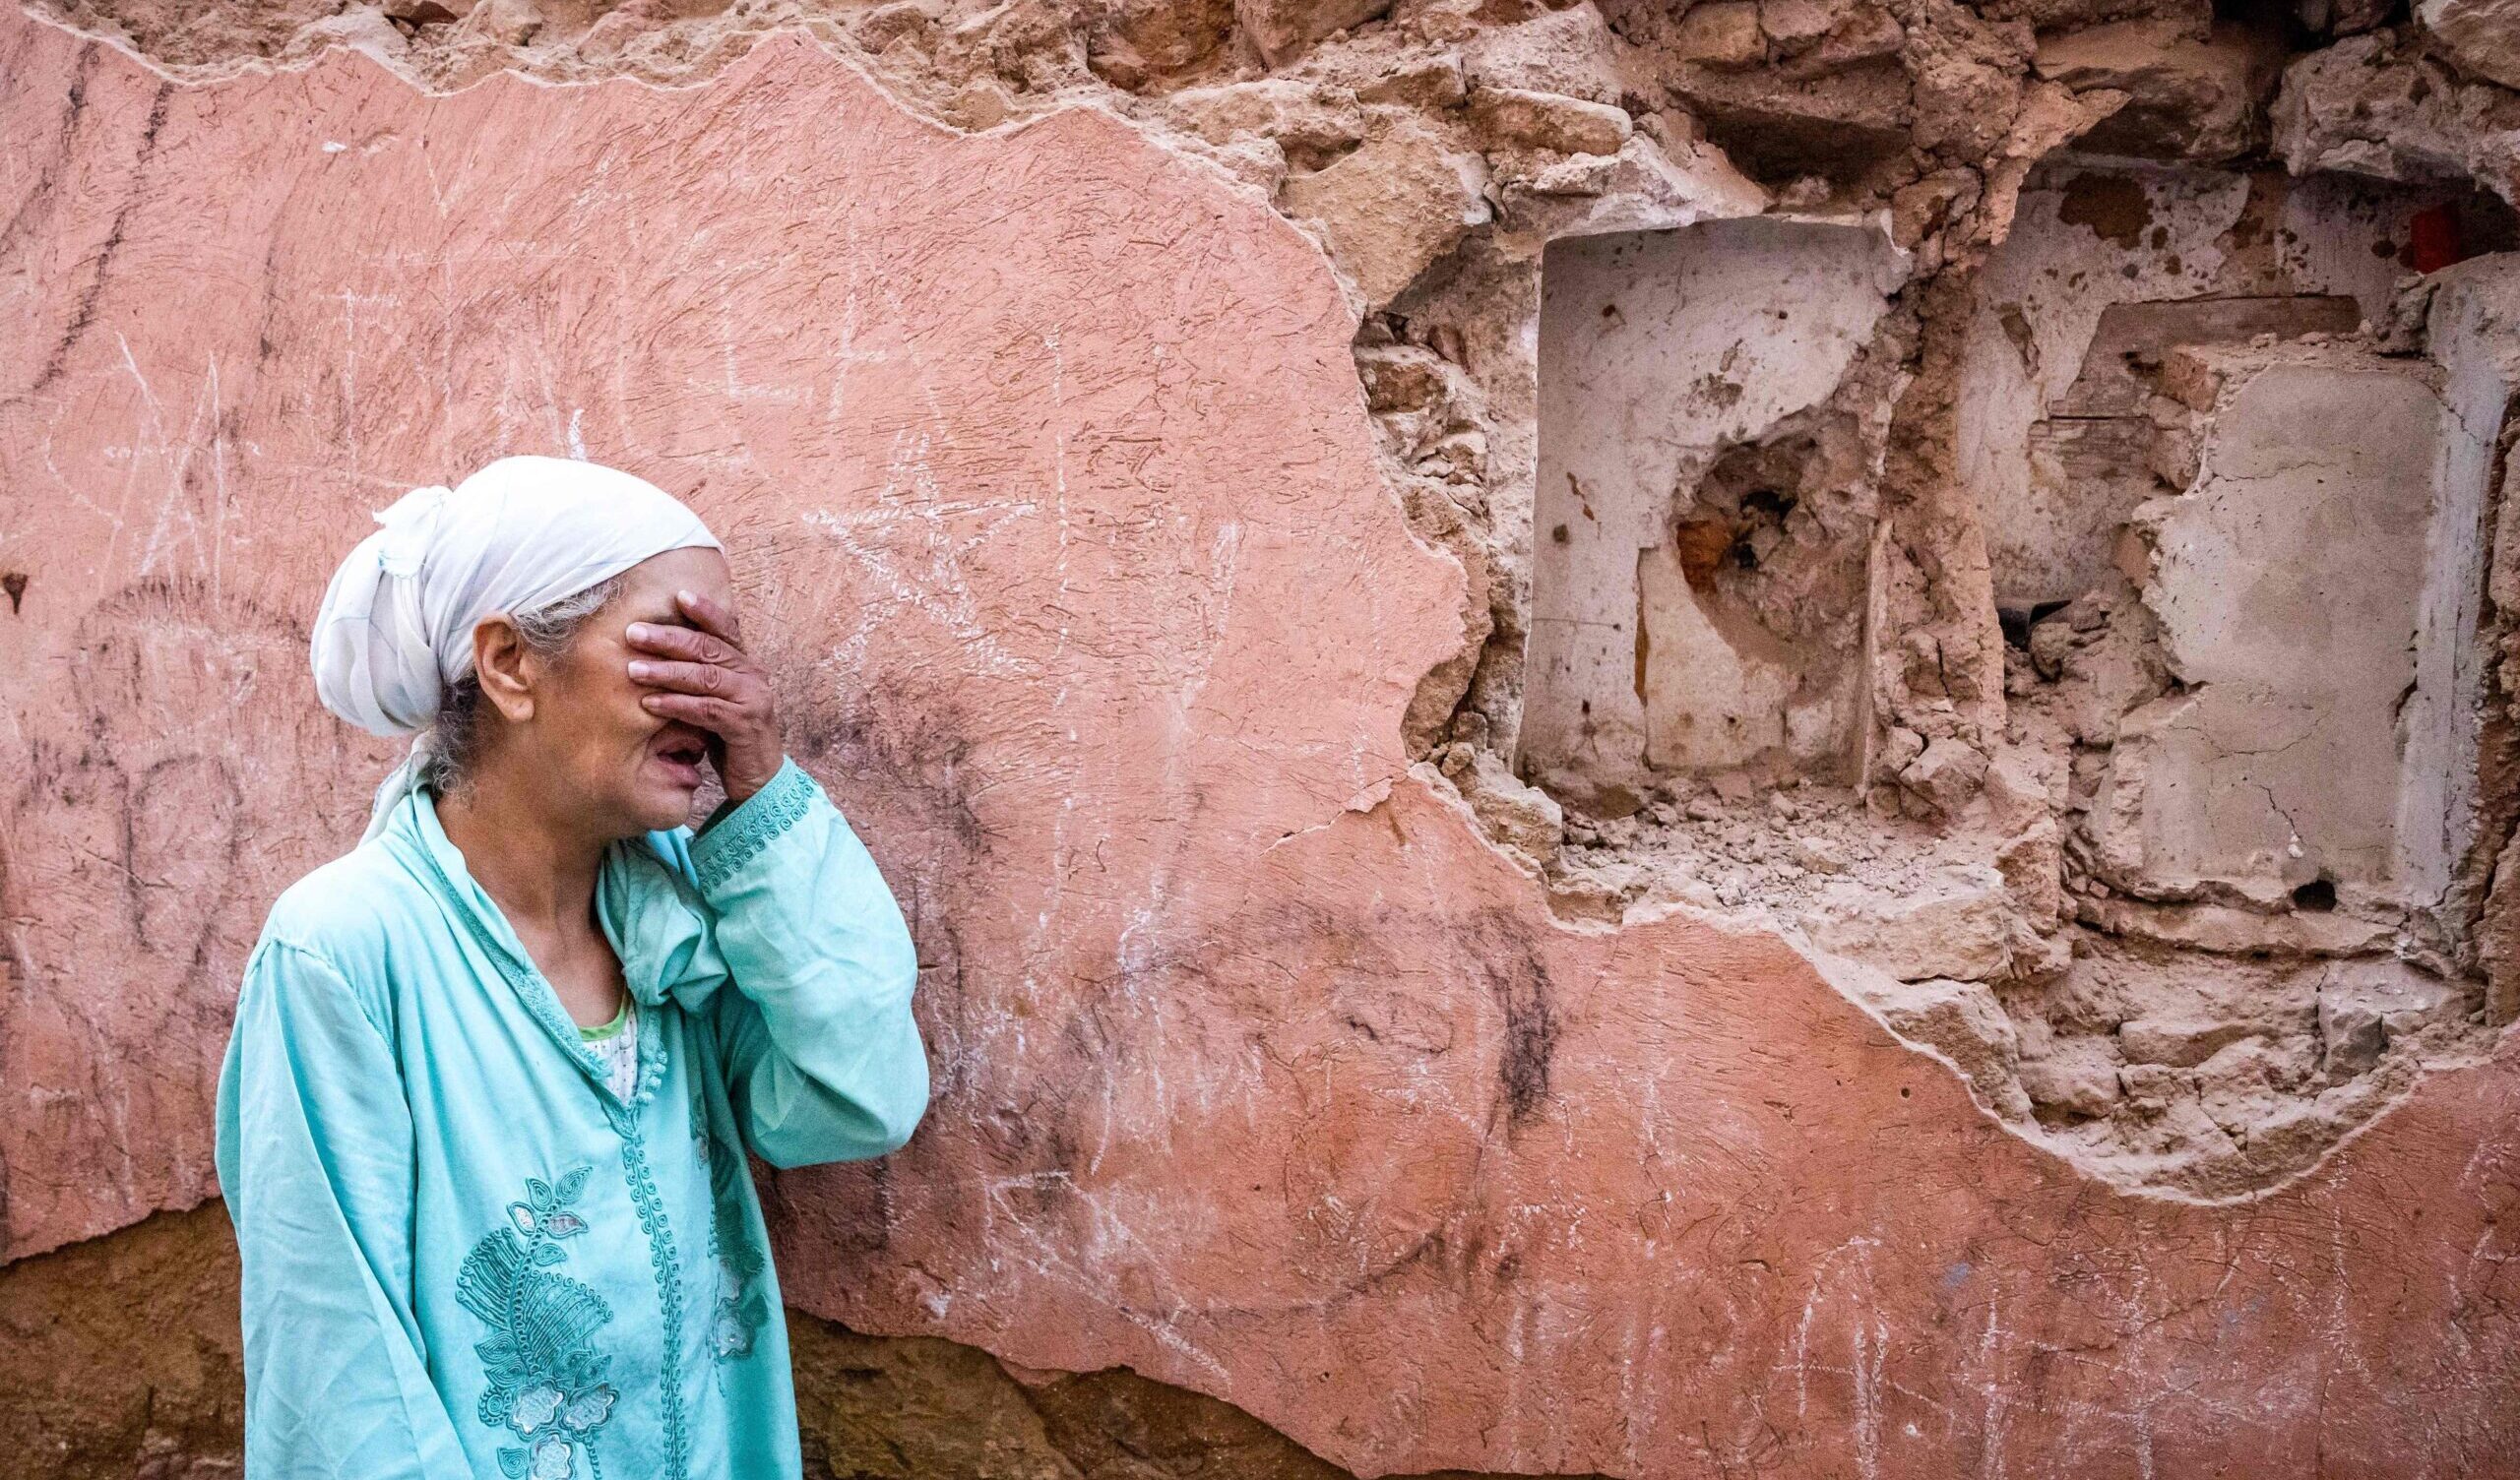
[[122, 1356], [1125, 552], [97, 1393]]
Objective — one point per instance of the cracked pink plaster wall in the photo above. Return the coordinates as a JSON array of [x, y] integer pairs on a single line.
[[1043, 460]]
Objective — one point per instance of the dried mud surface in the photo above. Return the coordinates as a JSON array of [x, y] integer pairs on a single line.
[[122, 1361]]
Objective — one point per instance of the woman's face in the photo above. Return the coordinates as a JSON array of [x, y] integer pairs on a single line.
[[625, 768]]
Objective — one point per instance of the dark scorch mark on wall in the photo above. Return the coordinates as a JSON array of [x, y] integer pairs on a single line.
[[1520, 984], [84, 313]]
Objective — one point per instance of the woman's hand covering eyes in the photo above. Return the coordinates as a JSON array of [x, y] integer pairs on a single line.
[[704, 678]]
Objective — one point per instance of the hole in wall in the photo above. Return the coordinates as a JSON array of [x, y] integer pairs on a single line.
[[1699, 605], [2154, 914]]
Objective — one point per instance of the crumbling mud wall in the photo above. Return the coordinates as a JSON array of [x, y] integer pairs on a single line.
[[1636, 739], [87, 1401]]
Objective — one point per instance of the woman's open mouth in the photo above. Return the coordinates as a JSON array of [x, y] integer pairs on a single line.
[[681, 754]]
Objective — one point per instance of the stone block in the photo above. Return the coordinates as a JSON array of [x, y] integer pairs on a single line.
[[2188, 97], [1955, 923], [1719, 33], [2179, 1042], [1279, 29], [1429, 81], [1566, 52], [2076, 1077], [2480, 37], [1298, 115], [1521, 816], [1947, 774], [2364, 1006], [1962, 1022], [1392, 206], [1517, 118]]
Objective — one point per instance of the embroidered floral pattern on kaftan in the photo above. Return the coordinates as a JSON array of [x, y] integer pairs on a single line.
[[545, 1376]]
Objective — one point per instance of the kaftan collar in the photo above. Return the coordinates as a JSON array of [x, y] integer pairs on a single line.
[[658, 924]]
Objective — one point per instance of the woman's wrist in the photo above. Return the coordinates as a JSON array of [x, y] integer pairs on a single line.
[[746, 782], [738, 792]]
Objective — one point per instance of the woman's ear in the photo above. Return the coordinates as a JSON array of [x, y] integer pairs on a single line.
[[501, 661]]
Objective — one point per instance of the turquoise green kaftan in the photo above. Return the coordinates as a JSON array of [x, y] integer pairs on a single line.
[[464, 1257]]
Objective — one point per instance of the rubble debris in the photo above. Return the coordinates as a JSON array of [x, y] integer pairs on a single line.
[[1392, 206], [2188, 97], [2478, 38], [1277, 27], [1518, 117], [2376, 105]]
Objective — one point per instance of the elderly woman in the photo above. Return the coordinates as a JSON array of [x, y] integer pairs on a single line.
[[483, 1120]]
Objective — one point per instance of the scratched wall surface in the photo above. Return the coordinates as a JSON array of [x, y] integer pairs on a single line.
[[1045, 467], [964, 409]]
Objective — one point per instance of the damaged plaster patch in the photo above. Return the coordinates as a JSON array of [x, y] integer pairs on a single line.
[[2188, 922]]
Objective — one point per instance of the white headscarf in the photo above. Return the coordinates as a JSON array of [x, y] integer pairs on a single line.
[[396, 628]]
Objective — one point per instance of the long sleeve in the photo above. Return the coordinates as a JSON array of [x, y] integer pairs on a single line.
[[823, 1058], [315, 1156]]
